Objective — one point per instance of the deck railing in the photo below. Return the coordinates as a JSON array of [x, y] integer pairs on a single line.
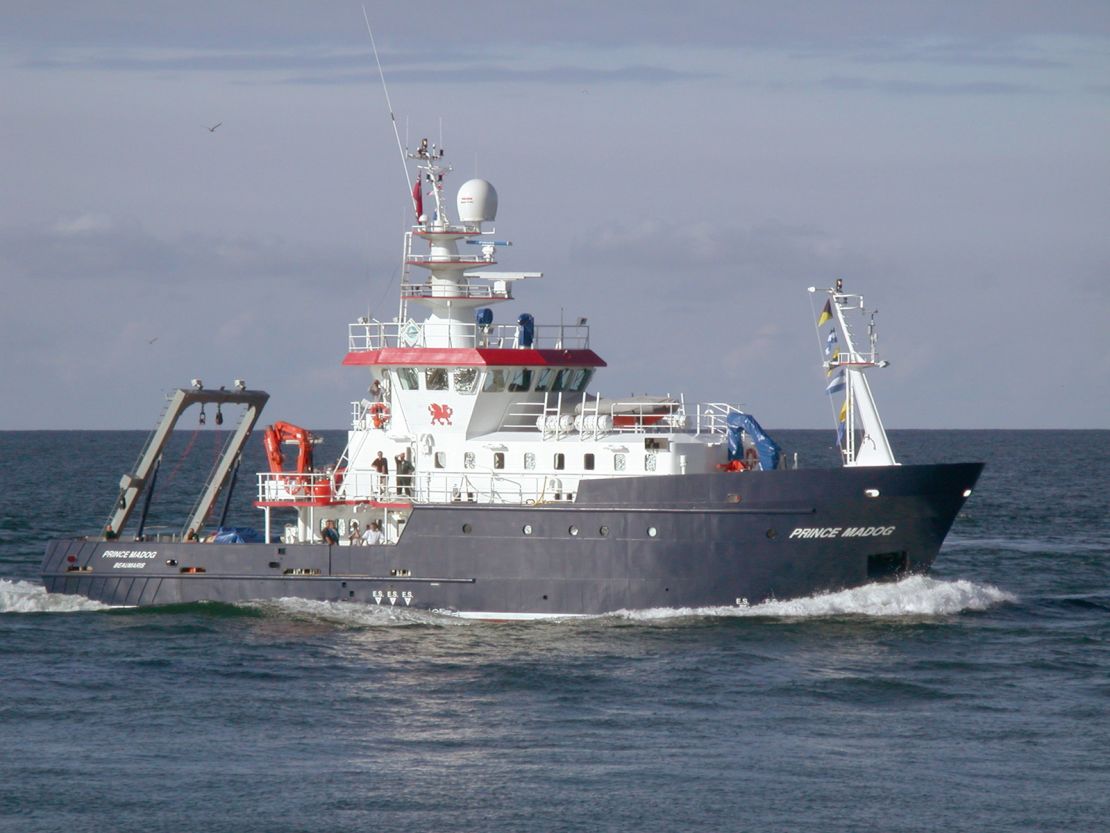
[[363, 336]]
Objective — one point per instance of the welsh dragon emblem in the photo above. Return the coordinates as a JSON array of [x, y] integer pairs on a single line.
[[441, 414]]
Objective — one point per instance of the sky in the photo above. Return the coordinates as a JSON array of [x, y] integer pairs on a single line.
[[680, 173]]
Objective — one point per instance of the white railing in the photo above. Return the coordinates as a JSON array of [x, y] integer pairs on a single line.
[[289, 487], [439, 486], [586, 417], [498, 290], [712, 417], [376, 335]]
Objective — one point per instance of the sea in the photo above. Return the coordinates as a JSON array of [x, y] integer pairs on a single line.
[[976, 698]]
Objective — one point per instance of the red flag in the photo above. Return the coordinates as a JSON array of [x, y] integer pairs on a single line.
[[418, 198]]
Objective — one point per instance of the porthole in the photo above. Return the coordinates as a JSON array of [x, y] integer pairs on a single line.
[[652, 531], [573, 530], [772, 534], [527, 530], [603, 531], [467, 528]]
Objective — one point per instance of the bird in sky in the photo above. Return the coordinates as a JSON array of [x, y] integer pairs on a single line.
[[212, 129]]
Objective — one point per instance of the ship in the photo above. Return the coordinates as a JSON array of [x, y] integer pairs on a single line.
[[484, 477]]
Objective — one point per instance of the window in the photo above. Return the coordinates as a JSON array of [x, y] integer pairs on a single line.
[[529, 460], [495, 381], [560, 461], [649, 462], [499, 459], [521, 380], [550, 379], [573, 530], [466, 379], [435, 378], [588, 462], [468, 460], [441, 459], [407, 378], [576, 379], [652, 532], [618, 462]]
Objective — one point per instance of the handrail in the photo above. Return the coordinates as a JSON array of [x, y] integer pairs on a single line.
[[364, 336]]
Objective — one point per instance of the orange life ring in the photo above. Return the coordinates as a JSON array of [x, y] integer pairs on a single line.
[[379, 413]]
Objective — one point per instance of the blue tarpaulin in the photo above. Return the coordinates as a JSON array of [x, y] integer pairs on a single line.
[[740, 423], [237, 535]]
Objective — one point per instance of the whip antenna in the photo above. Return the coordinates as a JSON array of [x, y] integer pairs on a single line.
[[389, 105]]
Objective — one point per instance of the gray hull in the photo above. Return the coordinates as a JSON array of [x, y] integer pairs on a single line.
[[633, 543]]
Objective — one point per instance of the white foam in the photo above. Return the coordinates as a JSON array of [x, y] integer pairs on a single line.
[[25, 597], [353, 614], [913, 596]]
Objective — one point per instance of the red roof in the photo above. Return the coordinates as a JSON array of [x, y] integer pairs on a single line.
[[474, 356]]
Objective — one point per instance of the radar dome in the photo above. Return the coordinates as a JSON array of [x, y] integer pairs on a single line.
[[477, 202]]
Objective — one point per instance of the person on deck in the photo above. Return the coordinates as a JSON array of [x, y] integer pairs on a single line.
[[404, 474], [329, 534], [373, 534], [381, 466], [354, 538]]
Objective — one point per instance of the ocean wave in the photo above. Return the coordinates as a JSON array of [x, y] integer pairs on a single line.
[[913, 596], [25, 597], [352, 614]]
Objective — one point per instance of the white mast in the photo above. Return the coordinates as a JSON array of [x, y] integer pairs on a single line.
[[871, 448]]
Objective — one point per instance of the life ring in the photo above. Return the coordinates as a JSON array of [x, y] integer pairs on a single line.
[[751, 457], [379, 413]]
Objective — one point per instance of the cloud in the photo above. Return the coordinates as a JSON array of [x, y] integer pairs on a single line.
[[902, 87], [357, 67], [479, 74], [94, 246], [768, 250], [959, 52]]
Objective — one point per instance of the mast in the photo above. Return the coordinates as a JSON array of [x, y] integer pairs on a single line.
[[865, 441]]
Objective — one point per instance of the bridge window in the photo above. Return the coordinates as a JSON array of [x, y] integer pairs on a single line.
[[495, 381], [407, 378], [466, 379], [588, 462], [435, 378], [550, 379], [499, 459], [521, 380], [576, 379]]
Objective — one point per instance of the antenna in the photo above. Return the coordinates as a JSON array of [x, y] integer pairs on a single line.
[[389, 105]]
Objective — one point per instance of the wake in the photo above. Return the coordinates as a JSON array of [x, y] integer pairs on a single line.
[[915, 596], [25, 597], [911, 597]]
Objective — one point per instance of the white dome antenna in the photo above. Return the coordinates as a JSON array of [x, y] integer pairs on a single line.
[[477, 202]]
